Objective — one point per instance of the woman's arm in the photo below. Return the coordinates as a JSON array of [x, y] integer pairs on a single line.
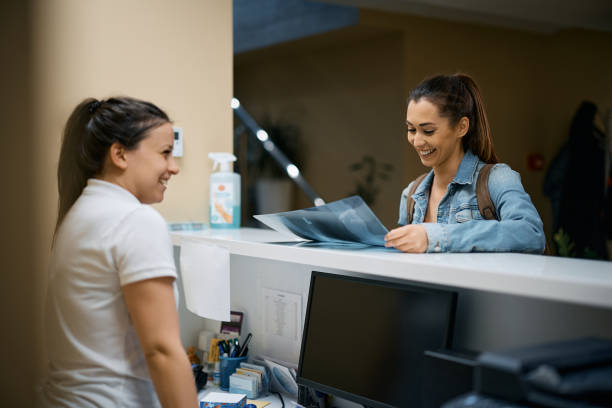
[[520, 227], [153, 311]]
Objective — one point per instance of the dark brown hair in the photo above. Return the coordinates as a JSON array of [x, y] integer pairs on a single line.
[[90, 130], [458, 96]]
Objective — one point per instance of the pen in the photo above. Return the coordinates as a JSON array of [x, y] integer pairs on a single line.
[[243, 351], [236, 351], [226, 347]]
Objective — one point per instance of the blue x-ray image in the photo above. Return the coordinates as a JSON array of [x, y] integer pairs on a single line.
[[348, 220]]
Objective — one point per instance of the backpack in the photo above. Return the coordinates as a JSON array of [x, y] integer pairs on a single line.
[[485, 205]]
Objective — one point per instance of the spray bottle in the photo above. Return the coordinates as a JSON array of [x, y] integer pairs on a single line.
[[224, 198]]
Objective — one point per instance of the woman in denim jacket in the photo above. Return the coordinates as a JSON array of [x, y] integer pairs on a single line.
[[448, 127]]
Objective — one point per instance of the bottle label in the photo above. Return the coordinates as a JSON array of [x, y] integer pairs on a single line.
[[222, 199]]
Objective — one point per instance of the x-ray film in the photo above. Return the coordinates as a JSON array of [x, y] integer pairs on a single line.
[[349, 220]]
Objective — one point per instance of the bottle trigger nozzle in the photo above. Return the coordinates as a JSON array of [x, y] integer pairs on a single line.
[[223, 159]]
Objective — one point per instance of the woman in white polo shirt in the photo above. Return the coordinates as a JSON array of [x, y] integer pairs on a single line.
[[112, 324]]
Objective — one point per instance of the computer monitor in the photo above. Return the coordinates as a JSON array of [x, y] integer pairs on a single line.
[[364, 340]]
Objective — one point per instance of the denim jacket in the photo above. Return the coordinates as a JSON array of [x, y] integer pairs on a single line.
[[459, 226]]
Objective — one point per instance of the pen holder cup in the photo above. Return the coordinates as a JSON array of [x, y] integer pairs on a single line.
[[228, 367]]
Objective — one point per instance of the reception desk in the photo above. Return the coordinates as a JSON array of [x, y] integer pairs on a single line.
[[505, 299]]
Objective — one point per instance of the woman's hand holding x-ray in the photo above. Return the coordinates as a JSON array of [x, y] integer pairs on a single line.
[[409, 238]]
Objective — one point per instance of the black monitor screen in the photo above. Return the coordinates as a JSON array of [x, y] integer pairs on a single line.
[[364, 340]]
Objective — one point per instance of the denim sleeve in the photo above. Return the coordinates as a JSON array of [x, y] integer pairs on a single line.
[[520, 228], [403, 214]]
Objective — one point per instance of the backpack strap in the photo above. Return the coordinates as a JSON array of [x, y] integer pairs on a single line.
[[410, 200], [485, 205]]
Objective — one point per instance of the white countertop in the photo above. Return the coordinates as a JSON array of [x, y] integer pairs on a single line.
[[579, 281]]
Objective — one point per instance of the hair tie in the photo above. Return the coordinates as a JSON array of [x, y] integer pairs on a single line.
[[94, 105]]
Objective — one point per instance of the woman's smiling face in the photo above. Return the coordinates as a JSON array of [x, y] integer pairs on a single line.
[[434, 139], [151, 165]]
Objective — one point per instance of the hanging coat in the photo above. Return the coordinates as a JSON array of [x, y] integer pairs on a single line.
[[581, 210]]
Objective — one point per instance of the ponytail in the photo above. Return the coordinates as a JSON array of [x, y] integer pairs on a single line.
[[479, 141], [458, 96], [91, 129], [71, 174]]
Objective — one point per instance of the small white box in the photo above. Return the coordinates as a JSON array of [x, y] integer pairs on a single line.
[[224, 400]]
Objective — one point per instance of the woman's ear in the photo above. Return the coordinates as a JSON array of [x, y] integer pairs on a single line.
[[117, 155], [463, 126]]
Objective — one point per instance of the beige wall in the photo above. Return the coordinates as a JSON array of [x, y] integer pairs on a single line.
[[176, 54]]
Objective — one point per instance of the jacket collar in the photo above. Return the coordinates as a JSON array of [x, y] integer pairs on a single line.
[[467, 169], [465, 174], [424, 187]]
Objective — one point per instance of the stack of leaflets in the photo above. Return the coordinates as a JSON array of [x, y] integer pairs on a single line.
[[249, 379], [347, 222]]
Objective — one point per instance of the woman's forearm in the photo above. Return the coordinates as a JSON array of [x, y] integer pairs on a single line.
[[486, 236], [153, 310], [172, 377]]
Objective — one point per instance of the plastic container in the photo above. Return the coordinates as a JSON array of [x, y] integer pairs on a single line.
[[224, 198], [217, 374], [228, 367], [200, 376]]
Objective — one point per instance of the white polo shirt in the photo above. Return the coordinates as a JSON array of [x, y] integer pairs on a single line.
[[108, 239]]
